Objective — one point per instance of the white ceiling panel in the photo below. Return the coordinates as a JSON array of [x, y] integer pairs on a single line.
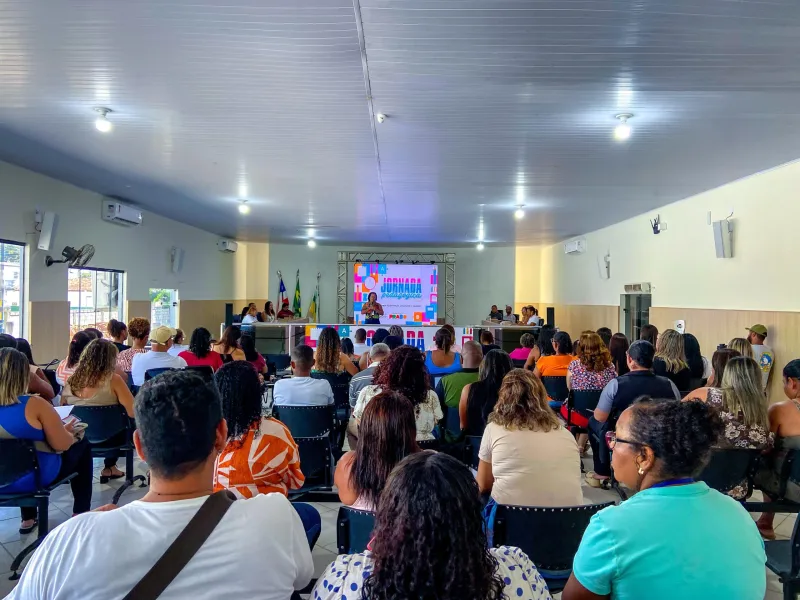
[[490, 104]]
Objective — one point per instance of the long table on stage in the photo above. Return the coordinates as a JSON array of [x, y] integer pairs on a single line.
[[281, 337]]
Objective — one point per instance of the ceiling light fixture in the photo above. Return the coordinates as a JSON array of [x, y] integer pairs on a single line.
[[102, 123], [479, 246], [623, 131], [519, 213], [312, 244], [244, 209]]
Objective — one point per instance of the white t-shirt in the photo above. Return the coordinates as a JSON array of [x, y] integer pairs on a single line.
[[302, 391], [176, 349], [258, 550], [247, 319], [153, 360], [533, 468], [360, 348]]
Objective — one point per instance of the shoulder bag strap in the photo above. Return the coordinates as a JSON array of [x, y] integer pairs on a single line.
[[185, 546]]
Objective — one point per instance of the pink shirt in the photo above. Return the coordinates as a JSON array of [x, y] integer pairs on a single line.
[[520, 353]]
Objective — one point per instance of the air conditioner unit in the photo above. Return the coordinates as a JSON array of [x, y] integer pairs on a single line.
[[121, 214], [575, 247], [227, 246], [637, 288]]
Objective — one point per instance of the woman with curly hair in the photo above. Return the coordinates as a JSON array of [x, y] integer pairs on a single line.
[[526, 457], [429, 543], [651, 545], [139, 330], [96, 383], [261, 456], [388, 434], [329, 357], [670, 359], [591, 370], [404, 371]]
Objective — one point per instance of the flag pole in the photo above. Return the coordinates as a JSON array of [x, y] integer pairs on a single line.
[[318, 298]]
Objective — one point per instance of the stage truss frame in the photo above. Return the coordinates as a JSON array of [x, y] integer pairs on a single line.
[[442, 259]]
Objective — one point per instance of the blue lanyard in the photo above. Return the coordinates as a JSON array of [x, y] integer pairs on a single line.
[[670, 482]]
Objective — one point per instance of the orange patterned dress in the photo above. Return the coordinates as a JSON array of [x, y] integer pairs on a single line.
[[263, 463]]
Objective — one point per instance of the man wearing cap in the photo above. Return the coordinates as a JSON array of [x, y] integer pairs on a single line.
[[285, 312], [158, 356], [763, 354]]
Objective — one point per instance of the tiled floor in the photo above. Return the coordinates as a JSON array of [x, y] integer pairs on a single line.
[[324, 552]]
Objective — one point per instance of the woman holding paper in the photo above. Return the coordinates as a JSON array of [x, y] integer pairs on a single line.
[[33, 418], [95, 383], [372, 310]]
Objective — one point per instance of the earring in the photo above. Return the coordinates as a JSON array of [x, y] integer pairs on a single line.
[[641, 471]]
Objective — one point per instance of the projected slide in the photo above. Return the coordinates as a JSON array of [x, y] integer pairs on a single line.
[[407, 292]]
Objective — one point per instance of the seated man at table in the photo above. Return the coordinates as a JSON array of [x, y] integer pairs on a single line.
[[300, 389], [618, 395], [285, 312], [180, 433]]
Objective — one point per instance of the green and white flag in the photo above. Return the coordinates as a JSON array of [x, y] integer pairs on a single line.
[[296, 306]]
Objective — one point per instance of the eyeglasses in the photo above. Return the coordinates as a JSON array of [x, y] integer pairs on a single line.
[[612, 440]]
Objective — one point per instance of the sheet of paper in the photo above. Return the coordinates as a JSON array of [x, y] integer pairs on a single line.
[[63, 411]]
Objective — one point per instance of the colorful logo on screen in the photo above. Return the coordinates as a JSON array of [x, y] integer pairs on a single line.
[[405, 289]]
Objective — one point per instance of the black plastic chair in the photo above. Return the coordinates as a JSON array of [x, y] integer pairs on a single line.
[[582, 402], [452, 420], [340, 386], [471, 450], [519, 363], [106, 425], [550, 536], [556, 386], [205, 371], [783, 559], [695, 383], [353, 530], [779, 503], [18, 459], [728, 467], [51, 378], [151, 373], [278, 361], [306, 421], [429, 444]]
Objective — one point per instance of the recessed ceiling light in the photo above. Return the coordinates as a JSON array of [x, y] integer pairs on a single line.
[[102, 123], [312, 244], [519, 213], [623, 131], [244, 209], [479, 246]]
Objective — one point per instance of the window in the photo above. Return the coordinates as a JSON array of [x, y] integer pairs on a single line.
[[12, 287], [163, 308], [95, 297]]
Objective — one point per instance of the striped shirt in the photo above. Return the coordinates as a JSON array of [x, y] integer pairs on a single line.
[[268, 462]]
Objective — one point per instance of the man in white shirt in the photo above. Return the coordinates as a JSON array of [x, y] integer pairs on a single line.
[[158, 357], [258, 550], [360, 344], [762, 354], [510, 317], [300, 389]]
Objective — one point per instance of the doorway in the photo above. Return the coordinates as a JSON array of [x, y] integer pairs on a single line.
[[163, 308], [634, 313]]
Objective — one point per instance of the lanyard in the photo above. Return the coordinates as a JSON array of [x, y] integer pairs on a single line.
[[670, 482]]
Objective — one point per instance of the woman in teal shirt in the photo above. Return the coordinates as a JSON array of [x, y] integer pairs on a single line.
[[676, 538]]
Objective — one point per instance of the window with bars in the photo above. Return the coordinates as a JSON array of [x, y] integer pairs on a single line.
[[12, 288], [95, 297]]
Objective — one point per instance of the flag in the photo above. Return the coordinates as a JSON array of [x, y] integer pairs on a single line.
[[296, 306], [312, 308], [281, 294]]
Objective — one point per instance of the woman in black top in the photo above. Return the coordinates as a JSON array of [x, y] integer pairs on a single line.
[[478, 399], [670, 360]]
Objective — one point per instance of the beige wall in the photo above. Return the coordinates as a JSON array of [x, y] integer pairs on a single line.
[[48, 330], [527, 284]]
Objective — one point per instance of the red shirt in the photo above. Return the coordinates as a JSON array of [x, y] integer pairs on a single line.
[[212, 359]]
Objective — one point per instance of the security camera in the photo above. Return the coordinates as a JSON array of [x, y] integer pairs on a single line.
[[381, 117]]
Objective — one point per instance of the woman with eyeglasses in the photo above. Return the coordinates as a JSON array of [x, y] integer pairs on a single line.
[[676, 537]]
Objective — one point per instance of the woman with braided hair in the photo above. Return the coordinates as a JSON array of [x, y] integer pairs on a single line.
[[676, 537], [429, 544], [405, 372]]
